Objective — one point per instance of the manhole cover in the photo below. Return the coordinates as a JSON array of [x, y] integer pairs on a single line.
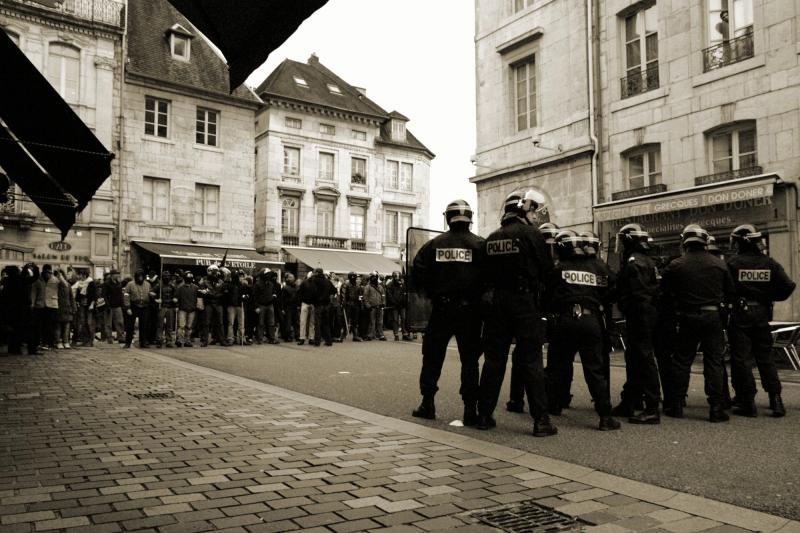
[[153, 395], [529, 517]]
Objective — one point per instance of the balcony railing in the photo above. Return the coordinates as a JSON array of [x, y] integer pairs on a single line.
[[640, 82], [729, 175], [290, 240], [641, 191], [729, 52], [105, 11], [319, 241], [358, 244]]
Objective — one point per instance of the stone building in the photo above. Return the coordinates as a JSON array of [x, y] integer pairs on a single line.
[[338, 179], [187, 150], [78, 47], [701, 120], [533, 107]]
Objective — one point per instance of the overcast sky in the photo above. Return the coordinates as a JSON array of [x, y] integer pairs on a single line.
[[413, 56]]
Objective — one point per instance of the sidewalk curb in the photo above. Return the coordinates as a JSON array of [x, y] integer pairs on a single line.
[[696, 505]]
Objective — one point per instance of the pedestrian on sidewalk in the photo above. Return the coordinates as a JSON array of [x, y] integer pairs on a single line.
[[85, 291], [289, 308], [305, 293], [233, 305], [136, 300], [66, 310], [264, 299], [323, 291], [165, 329], [352, 296], [374, 302], [186, 293], [114, 319], [396, 303]]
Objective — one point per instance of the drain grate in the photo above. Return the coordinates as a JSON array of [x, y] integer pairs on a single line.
[[529, 517], [153, 395]]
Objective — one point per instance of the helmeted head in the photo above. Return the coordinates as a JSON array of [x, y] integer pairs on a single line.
[[746, 238], [694, 236], [212, 271], [632, 237], [374, 277], [319, 272], [591, 243], [225, 273], [188, 277], [529, 205], [568, 244], [352, 277], [712, 247], [458, 211], [549, 231]]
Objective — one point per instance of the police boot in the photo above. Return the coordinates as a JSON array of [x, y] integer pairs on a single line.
[[717, 414], [649, 416], [776, 404], [608, 423], [746, 408], [470, 414], [674, 409], [485, 422], [515, 406], [426, 409], [542, 427]]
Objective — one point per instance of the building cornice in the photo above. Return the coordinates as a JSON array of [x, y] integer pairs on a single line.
[[149, 82], [383, 142], [61, 21], [531, 165], [313, 108]]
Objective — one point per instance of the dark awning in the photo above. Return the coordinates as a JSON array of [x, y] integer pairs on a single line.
[[185, 254], [343, 261], [246, 31], [55, 138]]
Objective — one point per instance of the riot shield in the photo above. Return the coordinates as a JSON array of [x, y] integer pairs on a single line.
[[418, 306]]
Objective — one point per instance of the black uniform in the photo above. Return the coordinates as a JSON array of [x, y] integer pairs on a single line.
[[517, 263], [576, 291], [758, 281], [637, 290], [665, 343], [698, 283], [448, 268]]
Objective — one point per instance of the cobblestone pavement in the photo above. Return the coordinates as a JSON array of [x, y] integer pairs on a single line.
[[122, 441]]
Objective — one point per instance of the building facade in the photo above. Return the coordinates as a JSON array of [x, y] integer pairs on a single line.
[[78, 47], [333, 169], [700, 121], [533, 107], [187, 152]]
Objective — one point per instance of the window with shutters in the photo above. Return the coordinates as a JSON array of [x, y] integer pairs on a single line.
[[206, 205], [155, 200]]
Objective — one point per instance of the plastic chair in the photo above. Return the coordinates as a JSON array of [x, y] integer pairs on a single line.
[[785, 340]]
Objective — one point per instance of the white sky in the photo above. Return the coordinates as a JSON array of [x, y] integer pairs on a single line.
[[413, 56]]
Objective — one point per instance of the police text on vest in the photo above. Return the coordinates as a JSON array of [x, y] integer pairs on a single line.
[[453, 255], [755, 275], [502, 247]]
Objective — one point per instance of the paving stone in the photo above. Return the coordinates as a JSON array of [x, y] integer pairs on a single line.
[[638, 523], [690, 525], [27, 517], [396, 519], [668, 515], [62, 523], [588, 494], [316, 520]]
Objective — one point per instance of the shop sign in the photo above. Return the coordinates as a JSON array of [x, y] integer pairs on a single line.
[[62, 258], [684, 202], [228, 263], [60, 246]]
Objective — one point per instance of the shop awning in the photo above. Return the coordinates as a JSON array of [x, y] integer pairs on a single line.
[[725, 192], [343, 261], [185, 254], [246, 31], [45, 147]]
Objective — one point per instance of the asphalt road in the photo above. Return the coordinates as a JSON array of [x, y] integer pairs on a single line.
[[754, 463]]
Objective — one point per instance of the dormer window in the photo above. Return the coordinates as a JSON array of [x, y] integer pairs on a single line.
[[301, 82], [180, 42], [398, 130], [334, 89]]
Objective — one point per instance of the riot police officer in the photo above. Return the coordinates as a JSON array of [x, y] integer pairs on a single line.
[[758, 281], [576, 291], [517, 263], [698, 284], [637, 288], [516, 400], [448, 270]]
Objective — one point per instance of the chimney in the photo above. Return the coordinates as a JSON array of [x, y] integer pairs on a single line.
[[314, 59], [361, 90]]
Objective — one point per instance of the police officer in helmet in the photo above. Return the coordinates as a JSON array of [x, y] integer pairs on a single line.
[[448, 270], [637, 289], [576, 292], [698, 284], [516, 400], [517, 264], [758, 281]]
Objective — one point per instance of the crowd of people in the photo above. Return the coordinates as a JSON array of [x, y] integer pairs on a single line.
[[51, 308], [530, 282]]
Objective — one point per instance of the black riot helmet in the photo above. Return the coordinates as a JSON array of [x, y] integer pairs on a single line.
[[529, 205], [712, 247], [569, 244], [549, 230], [458, 211], [591, 243], [632, 236], [695, 235], [746, 238]]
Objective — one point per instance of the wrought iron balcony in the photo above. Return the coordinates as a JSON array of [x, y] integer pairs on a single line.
[[358, 244], [320, 241], [103, 11], [641, 191], [729, 52], [640, 82], [290, 240], [729, 175]]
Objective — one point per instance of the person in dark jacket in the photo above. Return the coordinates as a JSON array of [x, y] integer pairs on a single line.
[[136, 298], [396, 301], [234, 304], [114, 320], [323, 290], [352, 296], [289, 306], [85, 301], [16, 307], [186, 293], [759, 281], [264, 297], [305, 293], [250, 315], [168, 306]]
